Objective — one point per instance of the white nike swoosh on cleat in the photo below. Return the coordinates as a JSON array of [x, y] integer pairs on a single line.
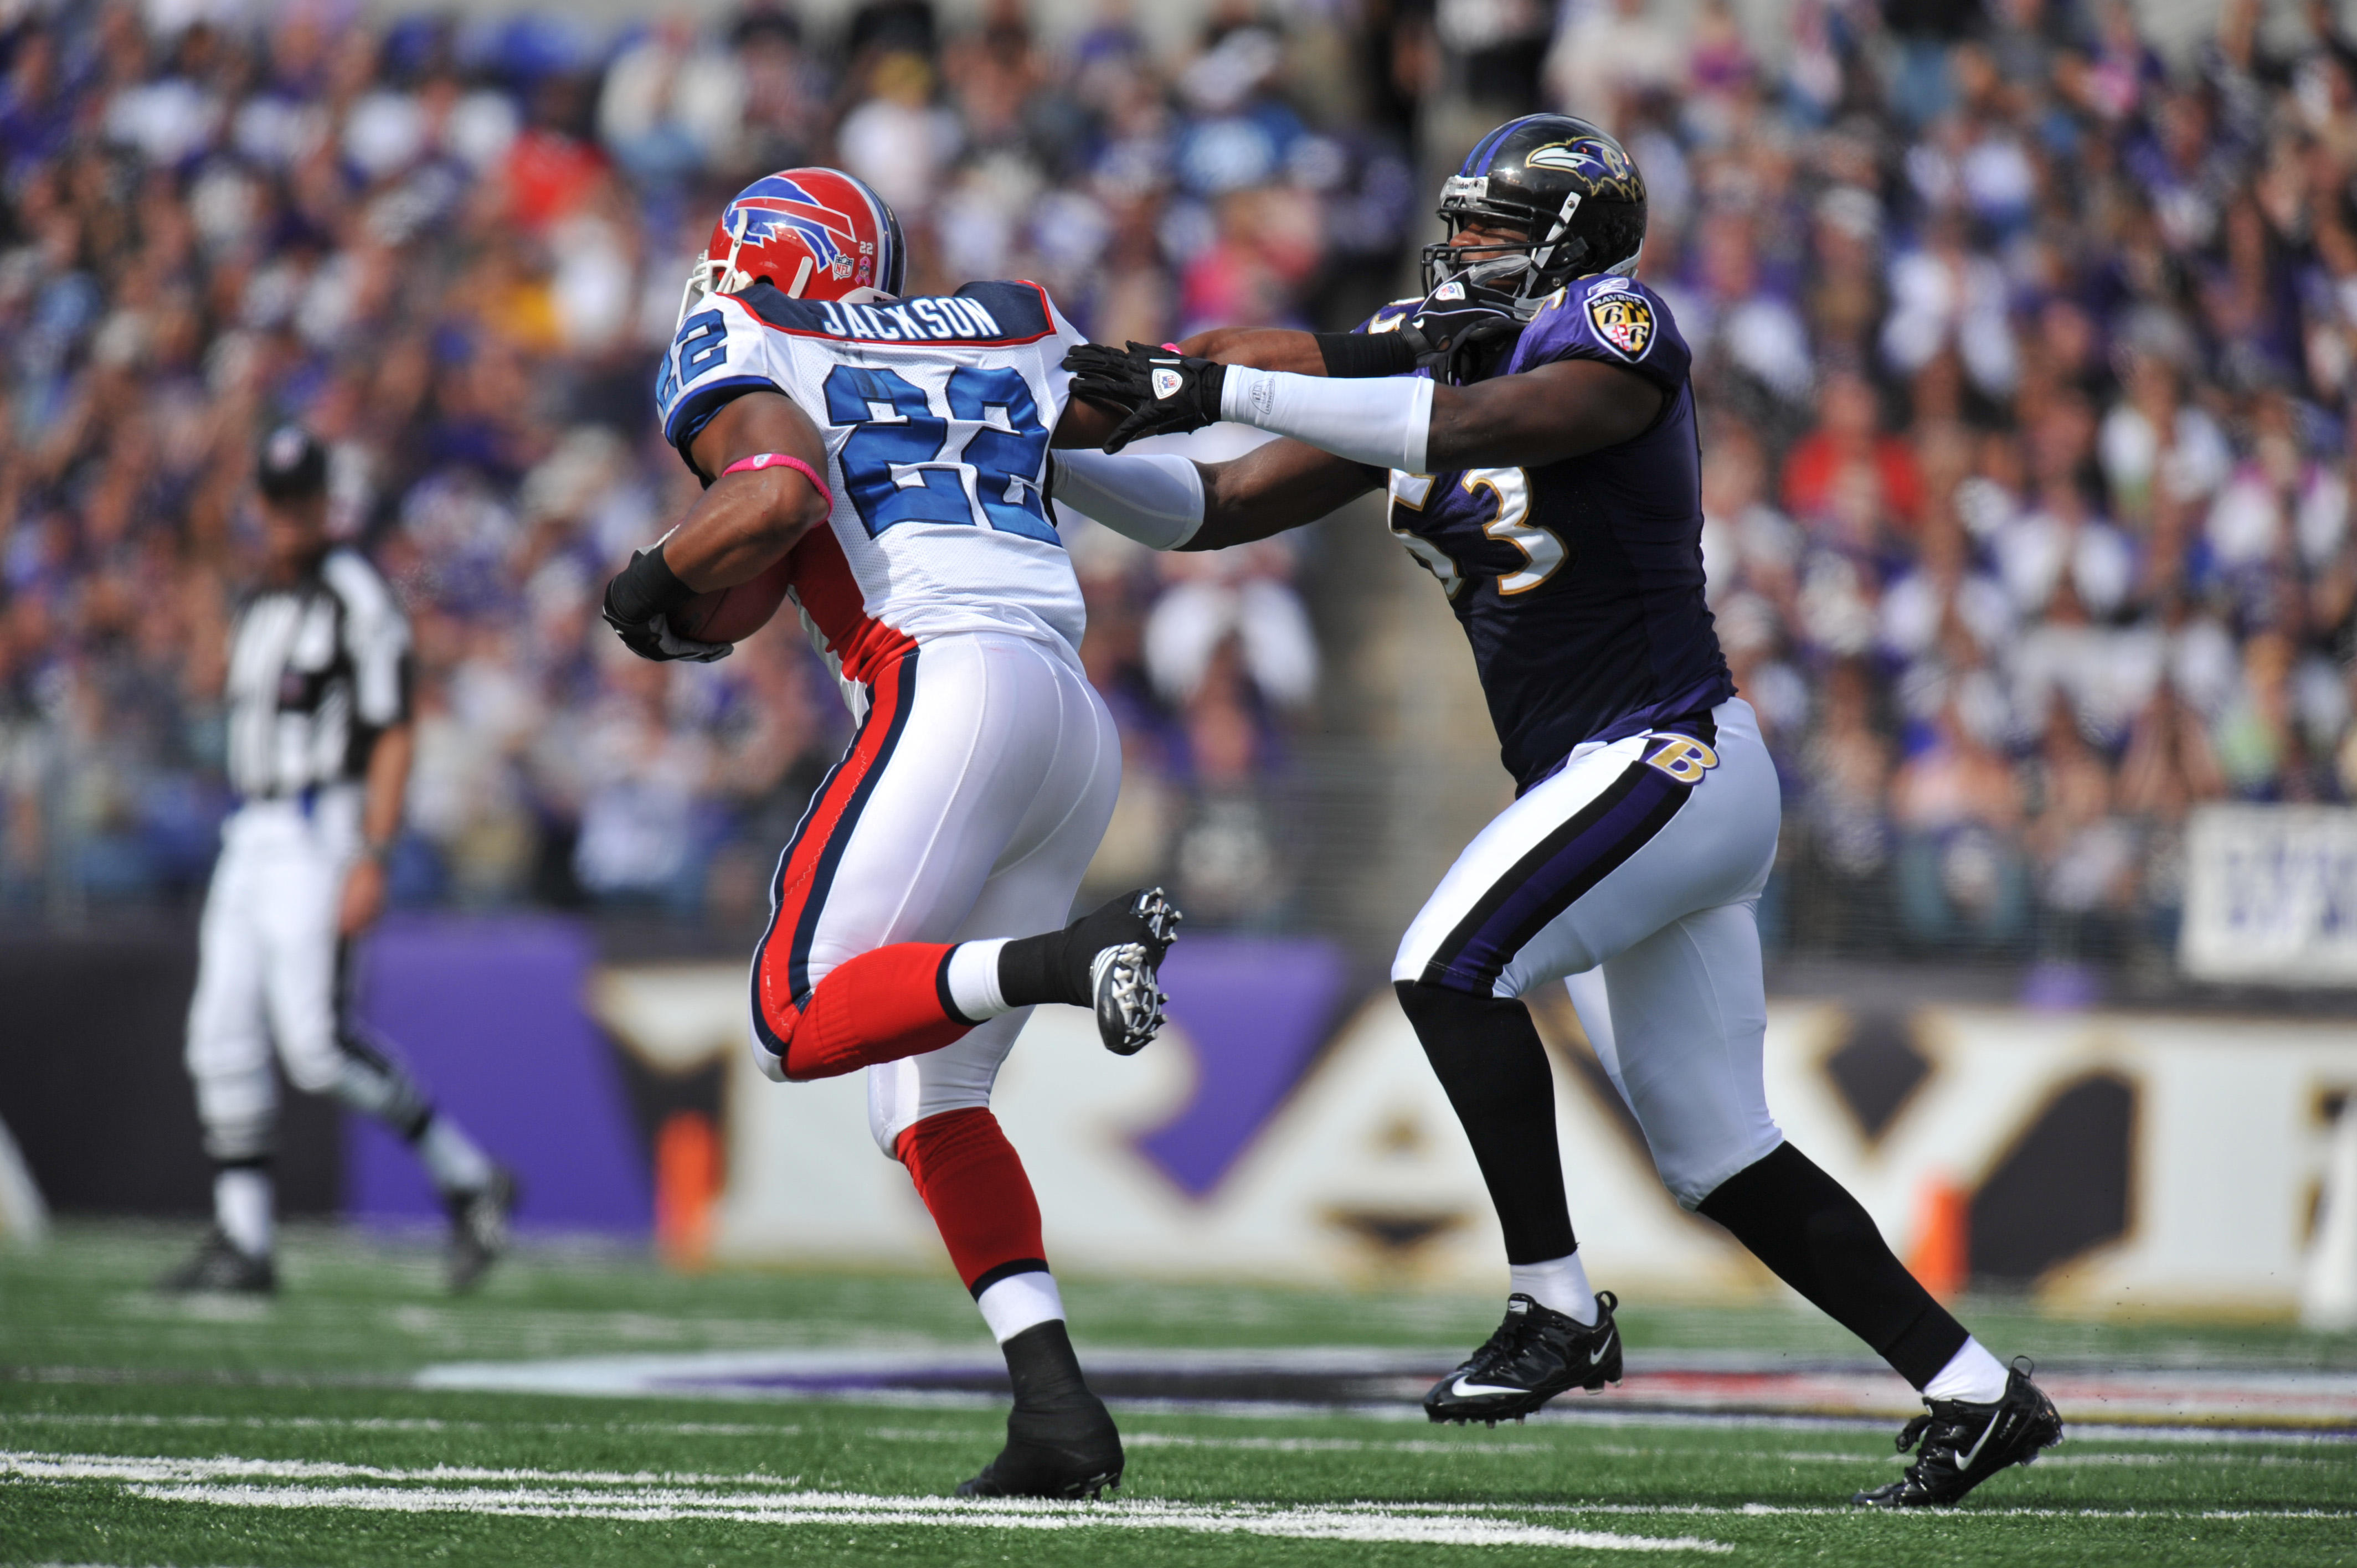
[[1464, 1390], [1597, 1354], [1987, 1432]]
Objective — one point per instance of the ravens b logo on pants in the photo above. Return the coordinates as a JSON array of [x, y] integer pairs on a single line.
[[1683, 759]]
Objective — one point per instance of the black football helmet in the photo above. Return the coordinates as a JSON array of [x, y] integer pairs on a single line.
[[1567, 186]]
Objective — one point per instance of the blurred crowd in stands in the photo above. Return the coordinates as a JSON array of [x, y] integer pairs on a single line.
[[2027, 360]]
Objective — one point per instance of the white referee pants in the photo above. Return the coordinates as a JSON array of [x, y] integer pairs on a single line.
[[968, 807], [1633, 872], [268, 973]]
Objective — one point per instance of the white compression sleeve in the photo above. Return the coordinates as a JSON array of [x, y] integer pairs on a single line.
[[1383, 420], [1152, 496]]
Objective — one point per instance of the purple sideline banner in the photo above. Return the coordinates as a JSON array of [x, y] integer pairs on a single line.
[[489, 1013], [1256, 1010]]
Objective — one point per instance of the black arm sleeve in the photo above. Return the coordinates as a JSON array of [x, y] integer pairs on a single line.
[[1355, 354]]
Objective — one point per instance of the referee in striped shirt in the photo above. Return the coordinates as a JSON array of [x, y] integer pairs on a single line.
[[320, 745]]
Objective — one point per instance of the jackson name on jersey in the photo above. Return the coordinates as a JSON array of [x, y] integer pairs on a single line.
[[936, 414]]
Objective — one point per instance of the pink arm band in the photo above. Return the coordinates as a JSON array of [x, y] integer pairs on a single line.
[[780, 461]]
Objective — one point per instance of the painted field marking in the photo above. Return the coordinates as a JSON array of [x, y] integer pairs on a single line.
[[406, 1424], [228, 1482], [1131, 1439], [115, 1468]]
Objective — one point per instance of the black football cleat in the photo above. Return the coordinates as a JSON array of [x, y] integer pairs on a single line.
[[219, 1267], [478, 1229], [1124, 987], [1070, 1452], [1536, 1354], [1965, 1445]]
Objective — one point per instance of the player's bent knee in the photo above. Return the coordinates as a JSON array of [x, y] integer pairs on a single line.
[[1693, 1176], [315, 1068]]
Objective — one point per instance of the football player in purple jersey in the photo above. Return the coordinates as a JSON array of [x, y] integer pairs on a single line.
[[1533, 417]]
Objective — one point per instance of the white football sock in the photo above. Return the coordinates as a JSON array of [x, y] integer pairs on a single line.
[[1971, 1375], [972, 979], [243, 1201], [1019, 1302], [1559, 1285], [452, 1159]]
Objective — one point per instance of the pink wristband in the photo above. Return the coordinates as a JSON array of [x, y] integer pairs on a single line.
[[780, 461]]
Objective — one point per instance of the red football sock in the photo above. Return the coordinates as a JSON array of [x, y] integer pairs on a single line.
[[878, 1007], [974, 1185]]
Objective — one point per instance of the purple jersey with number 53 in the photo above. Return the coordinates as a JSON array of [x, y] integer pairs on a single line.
[[1580, 582]]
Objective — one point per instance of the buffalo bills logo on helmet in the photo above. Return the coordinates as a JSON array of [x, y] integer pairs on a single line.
[[776, 203], [814, 233]]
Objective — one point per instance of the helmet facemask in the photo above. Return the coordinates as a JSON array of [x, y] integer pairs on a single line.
[[1526, 270]]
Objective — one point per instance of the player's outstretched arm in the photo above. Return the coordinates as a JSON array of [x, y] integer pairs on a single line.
[[1261, 348], [1558, 410], [1171, 503], [1564, 409], [744, 523], [1090, 423]]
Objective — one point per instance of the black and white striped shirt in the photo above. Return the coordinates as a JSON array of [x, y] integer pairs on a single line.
[[315, 672]]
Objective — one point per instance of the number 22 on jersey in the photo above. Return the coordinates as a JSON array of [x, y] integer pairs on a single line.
[[1543, 552], [905, 463]]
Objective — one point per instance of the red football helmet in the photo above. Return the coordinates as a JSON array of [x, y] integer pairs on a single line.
[[816, 234]]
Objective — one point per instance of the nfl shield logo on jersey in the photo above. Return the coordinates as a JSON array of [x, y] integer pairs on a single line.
[[1167, 382], [1624, 320]]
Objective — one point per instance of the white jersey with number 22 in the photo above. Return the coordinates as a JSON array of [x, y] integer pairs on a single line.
[[937, 413]]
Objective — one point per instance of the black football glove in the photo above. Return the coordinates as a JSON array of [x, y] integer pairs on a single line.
[[1165, 391], [1464, 337], [644, 629]]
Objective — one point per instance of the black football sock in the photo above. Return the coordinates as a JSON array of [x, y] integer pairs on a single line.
[[1045, 1370], [1488, 1057], [1054, 965], [1820, 1240]]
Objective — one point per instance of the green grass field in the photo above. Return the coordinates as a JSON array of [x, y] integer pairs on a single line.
[[135, 1430]]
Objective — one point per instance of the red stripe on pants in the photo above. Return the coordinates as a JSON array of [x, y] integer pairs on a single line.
[[974, 1185], [828, 819]]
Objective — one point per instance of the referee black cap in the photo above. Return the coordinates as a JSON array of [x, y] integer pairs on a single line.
[[292, 465]]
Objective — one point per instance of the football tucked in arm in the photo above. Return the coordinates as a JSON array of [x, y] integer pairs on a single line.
[[732, 615]]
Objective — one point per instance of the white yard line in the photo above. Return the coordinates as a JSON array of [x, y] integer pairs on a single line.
[[852, 1510], [405, 1423], [37, 1467], [656, 1499]]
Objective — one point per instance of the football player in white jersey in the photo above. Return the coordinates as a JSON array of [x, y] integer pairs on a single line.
[[879, 462]]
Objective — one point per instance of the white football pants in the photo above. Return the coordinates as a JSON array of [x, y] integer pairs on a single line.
[[968, 807], [1633, 872], [268, 970]]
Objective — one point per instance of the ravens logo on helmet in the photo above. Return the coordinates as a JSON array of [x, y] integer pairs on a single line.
[[1567, 187]]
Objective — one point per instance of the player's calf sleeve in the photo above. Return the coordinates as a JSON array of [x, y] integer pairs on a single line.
[[1820, 1240], [878, 1007], [974, 1185], [1488, 1058], [245, 1205]]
